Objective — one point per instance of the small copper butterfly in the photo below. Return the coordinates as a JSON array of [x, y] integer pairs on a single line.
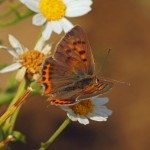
[[68, 76]]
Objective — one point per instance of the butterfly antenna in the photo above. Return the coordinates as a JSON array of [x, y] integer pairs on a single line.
[[116, 81], [122, 82]]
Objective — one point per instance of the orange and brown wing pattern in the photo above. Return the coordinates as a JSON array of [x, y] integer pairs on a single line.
[[58, 101], [46, 81], [71, 63], [74, 50], [96, 89], [54, 75], [72, 59]]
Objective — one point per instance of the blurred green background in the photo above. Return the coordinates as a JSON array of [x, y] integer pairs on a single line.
[[124, 27]]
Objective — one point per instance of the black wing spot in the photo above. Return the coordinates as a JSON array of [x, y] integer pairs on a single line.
[[75, 43], [84, 60], [79, 42], [68, 50], [82, 52], [69, 58], [83, 42], [43, 78], [43, 72], [44, 67]]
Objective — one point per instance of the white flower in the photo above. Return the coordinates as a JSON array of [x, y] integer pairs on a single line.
[[27, 61], [88, 109], [52, 13]]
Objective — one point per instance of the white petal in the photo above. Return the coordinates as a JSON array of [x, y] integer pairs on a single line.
[[12, 52], [47, 31], [72, 116], [32, 4], [97, 112], [47, 49], [106, 111], [56, 25], [77, 11], [103, 110], [65, 108], [83, 120], [67, 25], [20, 74], [79, 3], [67, 2], [16, 44], [11, 67], [96, 118], [100, 101], [39, 45], [38, 19]]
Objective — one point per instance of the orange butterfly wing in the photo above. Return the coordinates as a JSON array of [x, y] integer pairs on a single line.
[[72, 59]]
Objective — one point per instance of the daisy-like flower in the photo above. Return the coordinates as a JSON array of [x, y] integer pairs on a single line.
[[88, 109], [27, 61], [52, 13]]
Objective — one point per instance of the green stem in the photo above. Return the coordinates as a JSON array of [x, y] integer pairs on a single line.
[[20, 92], [17, 18], [9, 117], [10, 10], [8, 113], [45, 145]]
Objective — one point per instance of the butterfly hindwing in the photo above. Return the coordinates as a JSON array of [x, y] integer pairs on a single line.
[[54, 75], [58, 101], [96, 89]]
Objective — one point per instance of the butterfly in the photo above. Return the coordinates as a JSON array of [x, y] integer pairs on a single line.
[[68, 76]]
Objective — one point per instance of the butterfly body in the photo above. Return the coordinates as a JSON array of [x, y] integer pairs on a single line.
[[68, 76], [74, 88]]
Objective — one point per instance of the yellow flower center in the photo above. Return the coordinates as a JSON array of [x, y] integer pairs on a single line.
[[52, 9], [32, 60], [83, 108]]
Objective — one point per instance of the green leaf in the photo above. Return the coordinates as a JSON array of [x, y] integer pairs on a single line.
[[6, 97], [18, 15], [6, 129], [37, 88], [2, 65], [1, 134], [12, 84], [18, 136]]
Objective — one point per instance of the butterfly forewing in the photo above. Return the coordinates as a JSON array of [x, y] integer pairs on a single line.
[[74, 50], [72, 59]]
